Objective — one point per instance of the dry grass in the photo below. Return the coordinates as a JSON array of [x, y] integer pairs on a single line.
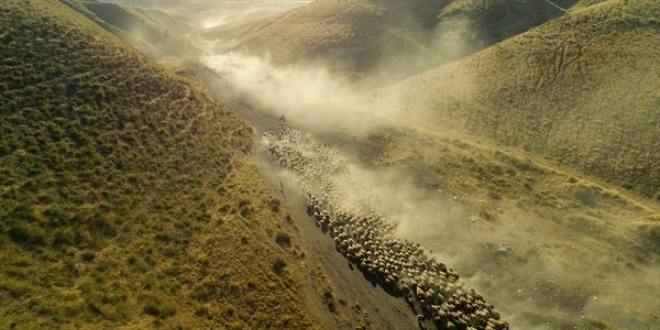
[[479, 24], [579, 230], [580, 90], [126, 199], [146, 30], [393, 39], [350, 37], [491, 179]]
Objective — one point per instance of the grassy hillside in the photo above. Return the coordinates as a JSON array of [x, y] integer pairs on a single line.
[[152, 32], [581, 90], [393, 39], [349, 36], [478, 24], [177, 23], [125, 197]]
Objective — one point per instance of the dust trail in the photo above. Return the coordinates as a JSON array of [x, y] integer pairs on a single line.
[[308, 95], [343, 204], [312, 99], [538, 272]]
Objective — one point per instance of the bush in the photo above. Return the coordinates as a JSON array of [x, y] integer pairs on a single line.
[[156, 308], [27, 235], [236, 325], [586, 196], [151, 308], [228, 310], [283, 239], [102, 226], [87, 256], [275, 205], [278, 266], [63, 237]]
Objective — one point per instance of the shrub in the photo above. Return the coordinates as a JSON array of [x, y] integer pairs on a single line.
[[87, 256], [278, 266], [156, 308], [275, 205], [27, 235], [236, 325], [202, 311], [16, 288], [201, 294], [228, 310], [586, 195], [283, 239], [63, 237], [151, 308]]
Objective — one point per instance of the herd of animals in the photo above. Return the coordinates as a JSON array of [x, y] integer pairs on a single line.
[[366, 238]]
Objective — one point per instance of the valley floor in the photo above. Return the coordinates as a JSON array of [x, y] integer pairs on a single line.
[[550, 249]]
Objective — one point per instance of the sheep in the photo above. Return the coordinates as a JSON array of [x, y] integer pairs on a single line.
[[366, 238]]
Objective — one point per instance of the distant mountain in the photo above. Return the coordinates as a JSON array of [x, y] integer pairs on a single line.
[[153, 32], [351, 36], [126, 200], [394, 38], [582, 90], [478, 24]]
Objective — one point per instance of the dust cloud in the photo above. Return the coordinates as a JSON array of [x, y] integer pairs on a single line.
[[450, 230], [517, 266], [442, 44], [307, 95], [513, 263]]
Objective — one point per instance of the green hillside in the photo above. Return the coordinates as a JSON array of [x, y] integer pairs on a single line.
[[581, 90], [126, 200]]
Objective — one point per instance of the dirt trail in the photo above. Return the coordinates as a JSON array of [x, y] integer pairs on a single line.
[[359, 302], [533, 257], [377, 309]]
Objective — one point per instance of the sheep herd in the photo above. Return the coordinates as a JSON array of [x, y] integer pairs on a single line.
[[367, 240]]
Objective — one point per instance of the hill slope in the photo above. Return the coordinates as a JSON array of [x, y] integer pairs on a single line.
[[393, 38], [479, 24], [125, 201], [153, 32], [349, 36], [581, 90]]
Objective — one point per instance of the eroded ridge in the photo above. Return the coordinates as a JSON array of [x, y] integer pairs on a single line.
[[366, 238]]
